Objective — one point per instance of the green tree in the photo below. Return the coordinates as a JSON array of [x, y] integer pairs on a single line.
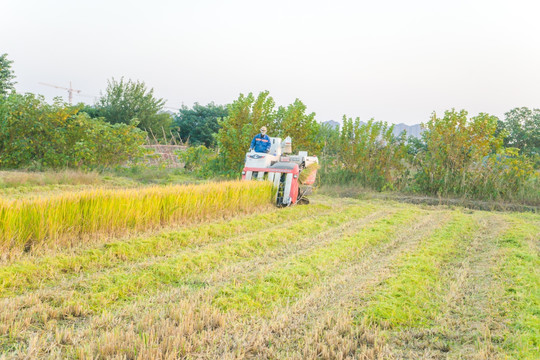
[[249, 113], [6, 76], [301, 127], [328, 140], [246, 116], [200, 124], [372, 153], [127, 101], [91, 110], [522, 127], [454, 145]]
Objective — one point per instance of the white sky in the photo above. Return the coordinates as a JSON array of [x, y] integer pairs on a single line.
[[393, 60]]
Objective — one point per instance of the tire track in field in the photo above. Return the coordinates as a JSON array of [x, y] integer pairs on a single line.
[[464, 327], [287, 280], [37, 308]]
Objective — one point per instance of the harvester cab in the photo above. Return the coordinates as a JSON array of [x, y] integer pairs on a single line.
[[293, 176]]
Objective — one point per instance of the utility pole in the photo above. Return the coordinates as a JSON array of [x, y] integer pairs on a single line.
[[70, 90]]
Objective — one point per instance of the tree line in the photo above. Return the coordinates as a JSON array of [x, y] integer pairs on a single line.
[[479, 156]]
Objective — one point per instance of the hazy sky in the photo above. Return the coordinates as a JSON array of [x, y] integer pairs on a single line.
[[393, 60]]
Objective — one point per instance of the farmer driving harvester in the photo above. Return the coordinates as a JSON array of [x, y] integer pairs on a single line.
[[261, 142]]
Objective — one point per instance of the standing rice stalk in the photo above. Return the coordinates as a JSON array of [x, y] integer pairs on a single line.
[[69, 218]]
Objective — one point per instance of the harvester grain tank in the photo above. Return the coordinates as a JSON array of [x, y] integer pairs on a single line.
[[293, 175]]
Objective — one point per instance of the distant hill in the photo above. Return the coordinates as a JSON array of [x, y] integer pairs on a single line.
[[333, 124], [412, 130]]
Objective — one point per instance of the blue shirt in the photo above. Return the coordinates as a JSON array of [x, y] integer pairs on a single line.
[[261, 143]]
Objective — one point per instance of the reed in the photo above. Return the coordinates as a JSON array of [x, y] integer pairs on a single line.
[[69, 218]]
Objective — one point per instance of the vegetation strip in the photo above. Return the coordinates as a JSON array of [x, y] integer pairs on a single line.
[[518, 276], [290, 277], [61, 220], [412, 297], [460, 302], [30, 274]]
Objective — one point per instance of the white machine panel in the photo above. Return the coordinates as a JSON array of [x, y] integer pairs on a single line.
[[288, 183], [277, 178], [275, 147]]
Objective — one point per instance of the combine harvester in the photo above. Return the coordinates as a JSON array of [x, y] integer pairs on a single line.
[[293, 175]]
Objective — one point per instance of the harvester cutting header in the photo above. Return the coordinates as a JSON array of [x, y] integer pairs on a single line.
[[292, 175]]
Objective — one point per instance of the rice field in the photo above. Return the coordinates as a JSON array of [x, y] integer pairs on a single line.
[[30, 223], [337, 279]]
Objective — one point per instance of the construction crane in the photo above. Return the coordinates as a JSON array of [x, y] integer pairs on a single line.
[[70, 90]]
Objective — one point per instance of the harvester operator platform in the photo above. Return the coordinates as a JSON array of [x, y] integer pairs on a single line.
[[261, 142]]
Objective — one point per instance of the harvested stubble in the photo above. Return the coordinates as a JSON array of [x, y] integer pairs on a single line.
[[65, 219]]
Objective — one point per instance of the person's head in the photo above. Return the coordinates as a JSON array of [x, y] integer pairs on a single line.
[[263, 130]]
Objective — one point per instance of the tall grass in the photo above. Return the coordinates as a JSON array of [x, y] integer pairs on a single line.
[[69, 218], [12, 179]]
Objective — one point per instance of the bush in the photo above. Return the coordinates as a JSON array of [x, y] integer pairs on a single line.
[[456, 156], [34, 134], [198, 159], [502, 175]]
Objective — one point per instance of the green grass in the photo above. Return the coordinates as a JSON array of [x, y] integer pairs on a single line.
[[412, 297], [17, 179], [519, 276]]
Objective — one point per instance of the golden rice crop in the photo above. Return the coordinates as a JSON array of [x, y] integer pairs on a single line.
[[304, 174], [69, 217]]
